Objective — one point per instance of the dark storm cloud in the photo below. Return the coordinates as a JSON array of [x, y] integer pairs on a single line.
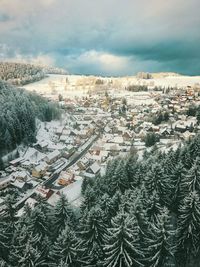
[[104, 37]]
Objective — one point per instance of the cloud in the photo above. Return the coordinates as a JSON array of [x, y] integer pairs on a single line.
[[4, 17], [109, 37], [93, 62]]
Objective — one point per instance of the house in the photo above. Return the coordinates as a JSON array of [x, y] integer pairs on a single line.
[[5, 182], [21, 175], [81, 165], [39, 170], [33, 156], [19, 184], [93, 170], [180, 127], [16, 161], [66, 178], [27, 165], [187, 135], [165, 132], [127, 136], [44, 192], [42, 146], [53, 156], [63, 138]]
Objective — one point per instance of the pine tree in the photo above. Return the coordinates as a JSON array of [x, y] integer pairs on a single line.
[[132, 170], [122, 248], [108, 206], [5, 239], [177, 186], [119, 180], [21, 238], [65, 249], [156, 181], [9, 215], [189, 227], [62, 216], [38, 226], [30, 257], [153, 207], [160, 243], [89, 198], [92, 232], [193, 177]]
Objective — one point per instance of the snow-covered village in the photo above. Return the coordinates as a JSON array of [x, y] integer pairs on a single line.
[[99, 133], [101, 120]]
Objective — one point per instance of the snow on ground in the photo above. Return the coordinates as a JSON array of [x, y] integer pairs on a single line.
[[179, 81], [46, 130], [55, 85], [73, 191], [135, 98]]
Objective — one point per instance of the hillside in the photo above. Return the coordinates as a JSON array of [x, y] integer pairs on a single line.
[[18, 111], [20, 73], [53, 70]]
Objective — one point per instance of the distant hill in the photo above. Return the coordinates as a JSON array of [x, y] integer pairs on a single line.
[[20, 73], [156, 75], [164, 74], [53, 70]]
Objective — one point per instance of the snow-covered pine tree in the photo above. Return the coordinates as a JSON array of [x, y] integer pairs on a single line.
[[155, 180], [38, 226], [188, 229], [21, 237], [176, 186], [192, 179], [122, 247], [6, 231], [62, 215], [30, 257], [65, 249], [92, 232], [89, 198], [109, 207], [153, 207], [160, 242], [119, 180], [132, 170]]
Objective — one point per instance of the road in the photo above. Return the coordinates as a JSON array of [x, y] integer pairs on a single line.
[[74, 158]]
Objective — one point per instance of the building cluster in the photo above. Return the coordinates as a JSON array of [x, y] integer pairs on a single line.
[[94, 130]]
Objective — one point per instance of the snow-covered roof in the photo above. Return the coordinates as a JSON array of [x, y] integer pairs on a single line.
[[18, 183], [41, 166], [53, 155], [33, 155], [95, 167]]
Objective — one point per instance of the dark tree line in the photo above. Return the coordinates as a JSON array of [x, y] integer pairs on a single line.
[[141, 213], [18, 111], [160, 117], [20, 73]]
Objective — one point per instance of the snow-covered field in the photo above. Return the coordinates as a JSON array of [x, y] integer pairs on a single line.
[[69, 86], [55, 85], [179, 81]]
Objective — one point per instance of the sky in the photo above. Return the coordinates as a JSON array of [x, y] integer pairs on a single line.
[[103, 37]]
